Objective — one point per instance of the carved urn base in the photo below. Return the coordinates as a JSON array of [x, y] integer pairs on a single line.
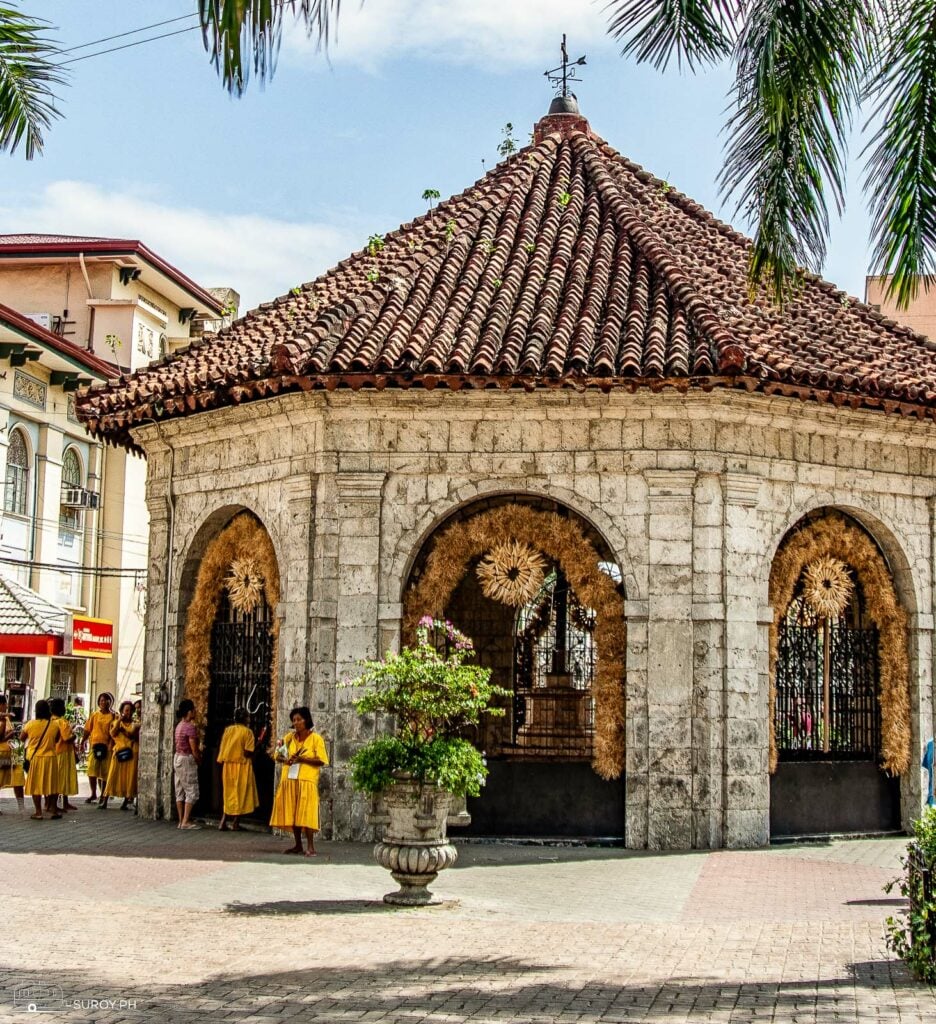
[[415, 846]]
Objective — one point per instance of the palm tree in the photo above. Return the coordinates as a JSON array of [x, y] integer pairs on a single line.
[[803, 68], [27, 79]]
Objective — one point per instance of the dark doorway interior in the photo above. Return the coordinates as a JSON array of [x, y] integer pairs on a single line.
[[241, 676], [827, 721]]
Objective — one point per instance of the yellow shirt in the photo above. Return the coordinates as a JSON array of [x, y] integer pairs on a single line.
[[236, 742], [312, 746], [65, 734], [98, 726], [33, 731], [124, 734]]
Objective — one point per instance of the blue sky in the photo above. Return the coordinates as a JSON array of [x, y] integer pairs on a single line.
[[267, 191]]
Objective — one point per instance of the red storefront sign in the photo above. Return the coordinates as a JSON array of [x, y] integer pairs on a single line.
[[89, 638]]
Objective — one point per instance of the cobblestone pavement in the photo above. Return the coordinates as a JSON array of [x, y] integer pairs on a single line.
[[203, 926]]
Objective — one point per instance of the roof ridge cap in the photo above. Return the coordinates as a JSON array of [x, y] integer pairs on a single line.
[[732, 357]]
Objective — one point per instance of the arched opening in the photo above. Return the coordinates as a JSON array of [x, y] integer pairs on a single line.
[[840, 722], [539, 591], [231, 650], [16, 491]]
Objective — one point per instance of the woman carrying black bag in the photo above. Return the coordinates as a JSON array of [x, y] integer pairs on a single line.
[[97, 736], [42, 736], [121, 779]]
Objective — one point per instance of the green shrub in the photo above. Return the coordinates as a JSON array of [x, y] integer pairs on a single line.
[[433, 696], [913, 936]]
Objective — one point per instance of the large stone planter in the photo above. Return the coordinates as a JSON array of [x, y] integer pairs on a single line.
[[415, 846]]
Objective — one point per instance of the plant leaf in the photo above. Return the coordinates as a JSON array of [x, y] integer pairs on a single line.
[[245, 35], [800, 66], [27, 80], [696, 31], [901, 168]]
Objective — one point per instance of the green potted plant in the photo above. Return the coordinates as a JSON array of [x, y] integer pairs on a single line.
[[434, 694]]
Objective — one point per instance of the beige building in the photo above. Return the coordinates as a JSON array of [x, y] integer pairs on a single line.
[[732, 505], [75, 522]]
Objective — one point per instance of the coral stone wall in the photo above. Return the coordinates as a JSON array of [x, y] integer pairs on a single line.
[[691, 493]]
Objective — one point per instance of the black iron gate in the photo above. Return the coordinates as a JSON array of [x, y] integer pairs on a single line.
[[541, 781], [827, 723], [241, 677]]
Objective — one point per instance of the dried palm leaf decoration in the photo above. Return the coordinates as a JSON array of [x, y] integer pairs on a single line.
[[244, 585], [511, 573], [827, 586]]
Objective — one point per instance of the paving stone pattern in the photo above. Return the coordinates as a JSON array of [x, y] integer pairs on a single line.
[[201, 926]]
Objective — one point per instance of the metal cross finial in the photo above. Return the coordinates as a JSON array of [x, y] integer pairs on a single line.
[[560, 76]]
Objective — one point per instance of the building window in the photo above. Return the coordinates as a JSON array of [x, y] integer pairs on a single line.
[[70, 517], [16, 493]]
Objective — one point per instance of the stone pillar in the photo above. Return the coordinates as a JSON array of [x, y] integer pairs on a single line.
[[637, 781], [746, 698], [708, 633], [670, 659], [357, 608], [297, 538], [155, 769]]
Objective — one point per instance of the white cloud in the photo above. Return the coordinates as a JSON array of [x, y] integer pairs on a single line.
[[494, 34], [260, 257]]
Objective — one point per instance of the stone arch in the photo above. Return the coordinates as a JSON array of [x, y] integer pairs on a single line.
[[407, 550], [229, 532], [885, 533], [457, 542], [843, 537]]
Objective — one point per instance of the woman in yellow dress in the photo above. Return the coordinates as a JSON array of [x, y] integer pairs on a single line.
[[121, 779], [42, 737], [296, 806], [11, 774], [66, 767], [97, 736], [237, 775]]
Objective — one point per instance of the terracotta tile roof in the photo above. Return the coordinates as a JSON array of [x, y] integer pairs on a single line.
[[29, 329], [39, 239], [566, 265], [24, 612]]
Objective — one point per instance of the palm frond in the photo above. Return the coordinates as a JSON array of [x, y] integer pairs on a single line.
[[28, 77], [244, 36], [800, 66], [901, 169], [695, 31]]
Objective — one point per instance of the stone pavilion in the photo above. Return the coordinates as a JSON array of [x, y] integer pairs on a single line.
[[568, 349]]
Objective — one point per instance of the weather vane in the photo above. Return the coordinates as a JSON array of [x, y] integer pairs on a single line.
[[560, 77]]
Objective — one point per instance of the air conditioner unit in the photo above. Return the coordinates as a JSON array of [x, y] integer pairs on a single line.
[[79, 497], [43, 319]]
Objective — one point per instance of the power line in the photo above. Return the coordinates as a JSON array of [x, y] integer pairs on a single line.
[[132, 32], [79, 570], [83, 531], [126, 46]]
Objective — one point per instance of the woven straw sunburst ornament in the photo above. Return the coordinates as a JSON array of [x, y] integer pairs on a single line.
[[827, 587], [244, 585], [511, 573]]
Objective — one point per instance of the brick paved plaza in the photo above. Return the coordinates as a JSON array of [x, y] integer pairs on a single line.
[[222, 927]]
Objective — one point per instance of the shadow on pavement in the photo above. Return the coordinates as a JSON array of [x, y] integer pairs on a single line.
[[296, 907], [496, 989], [92, 833]]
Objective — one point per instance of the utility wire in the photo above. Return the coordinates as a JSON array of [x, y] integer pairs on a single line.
[[76, 569], [82, 531], [126, 46], [132, 32]]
